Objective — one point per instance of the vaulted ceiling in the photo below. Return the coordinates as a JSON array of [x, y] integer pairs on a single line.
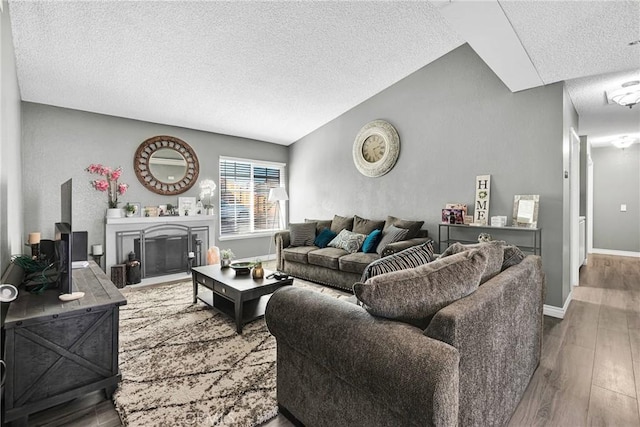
[[275, 71]]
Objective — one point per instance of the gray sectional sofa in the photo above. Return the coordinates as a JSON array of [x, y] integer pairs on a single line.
[[334, 266], [468, 362]]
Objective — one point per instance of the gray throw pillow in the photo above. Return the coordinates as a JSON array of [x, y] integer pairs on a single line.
[[390, 235], [512, 256], [413, 227], [348, 240], [416, 294], [495, 255], [408, 258], [302, 234], [340, 223], [366, 226]]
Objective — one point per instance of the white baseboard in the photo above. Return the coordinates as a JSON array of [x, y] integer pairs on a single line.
[[615, 252], [558, 312]]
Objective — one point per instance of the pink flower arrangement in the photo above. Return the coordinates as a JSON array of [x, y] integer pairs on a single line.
[[109, 183]]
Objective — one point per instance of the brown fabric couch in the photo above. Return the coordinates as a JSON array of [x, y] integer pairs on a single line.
[[333, 266], [338, 365]]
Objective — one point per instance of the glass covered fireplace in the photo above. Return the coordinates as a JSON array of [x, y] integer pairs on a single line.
[[163, 247]]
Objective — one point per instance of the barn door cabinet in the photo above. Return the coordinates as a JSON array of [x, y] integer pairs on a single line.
[[57, 351]]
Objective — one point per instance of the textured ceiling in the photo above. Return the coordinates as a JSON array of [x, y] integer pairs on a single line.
[[275, 71], [272, 71]]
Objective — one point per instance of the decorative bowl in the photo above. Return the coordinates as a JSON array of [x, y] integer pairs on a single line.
[[242, 267]]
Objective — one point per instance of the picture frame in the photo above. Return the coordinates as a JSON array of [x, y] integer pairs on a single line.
[[186, 206], [458, 213], [150, 211], [138, 212], [525, 210], [162, 210]]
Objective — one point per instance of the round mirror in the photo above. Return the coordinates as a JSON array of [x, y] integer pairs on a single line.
[[166, 165]]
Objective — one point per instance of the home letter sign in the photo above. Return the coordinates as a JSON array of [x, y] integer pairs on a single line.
[[483, 191]]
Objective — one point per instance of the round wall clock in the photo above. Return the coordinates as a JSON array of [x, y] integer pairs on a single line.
[[376, 148]]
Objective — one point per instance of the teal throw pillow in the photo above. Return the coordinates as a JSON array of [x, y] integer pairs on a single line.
[[325, 236], [371, 242]]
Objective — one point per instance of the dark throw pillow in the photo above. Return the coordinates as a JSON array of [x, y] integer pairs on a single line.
[[408, 258], [302, 234], [512, 256], [416, 294], [324, 238], [413, 227], [371, 242], [389, 235]]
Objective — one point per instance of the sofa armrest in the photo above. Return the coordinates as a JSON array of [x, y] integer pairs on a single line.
[[282, 240], [498, 332], [390, 363], [396, 247]]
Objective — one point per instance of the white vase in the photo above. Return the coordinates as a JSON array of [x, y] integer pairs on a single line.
[[114, 213]]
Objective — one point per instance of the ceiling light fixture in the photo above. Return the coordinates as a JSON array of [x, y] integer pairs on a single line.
[[628, 95], [623, 142]]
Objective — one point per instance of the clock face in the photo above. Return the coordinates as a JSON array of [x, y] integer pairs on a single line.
[[373, 148]]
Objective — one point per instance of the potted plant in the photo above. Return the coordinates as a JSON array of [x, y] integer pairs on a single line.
[[170, 209], [109, 184], [130, 209], [226, 256]]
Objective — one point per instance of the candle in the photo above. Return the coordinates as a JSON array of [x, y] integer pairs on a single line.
[[192, 255], [34, 238], [96, 250]]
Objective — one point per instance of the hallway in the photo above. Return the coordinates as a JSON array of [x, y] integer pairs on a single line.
[[590, 368]]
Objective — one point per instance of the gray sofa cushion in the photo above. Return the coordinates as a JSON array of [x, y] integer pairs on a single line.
[[326, 257], [415, 295], [366, 226], [340, 223], [389, 235], [357, 262], [302, 234], [413, 226], [408, 258], [495, 254], [321, 224], [298, 253]]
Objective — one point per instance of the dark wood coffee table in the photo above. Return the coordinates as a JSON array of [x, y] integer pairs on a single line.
[[239, 296]]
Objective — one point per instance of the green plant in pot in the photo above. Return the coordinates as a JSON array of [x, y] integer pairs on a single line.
[[130, 209], [226, 255]]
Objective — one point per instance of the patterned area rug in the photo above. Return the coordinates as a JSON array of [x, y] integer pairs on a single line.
[[184, 364]]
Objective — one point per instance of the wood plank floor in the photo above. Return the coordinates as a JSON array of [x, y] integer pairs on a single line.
[[589, 374]]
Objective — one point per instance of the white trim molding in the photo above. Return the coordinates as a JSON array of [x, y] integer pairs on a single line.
[[558, 312], [615, 252]]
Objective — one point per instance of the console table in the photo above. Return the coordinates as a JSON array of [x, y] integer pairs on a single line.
[[57, 351], [527, 239]]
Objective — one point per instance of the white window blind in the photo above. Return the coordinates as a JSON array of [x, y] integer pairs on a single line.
[[244, 193]]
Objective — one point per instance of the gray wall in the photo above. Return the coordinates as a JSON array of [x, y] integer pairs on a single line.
[[60, 143], [616, 180], [456, 120], [11, 238]]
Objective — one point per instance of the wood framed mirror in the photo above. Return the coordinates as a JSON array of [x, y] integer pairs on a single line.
[[166, 165]]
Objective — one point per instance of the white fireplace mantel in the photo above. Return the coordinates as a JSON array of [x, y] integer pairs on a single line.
[[116, 225]]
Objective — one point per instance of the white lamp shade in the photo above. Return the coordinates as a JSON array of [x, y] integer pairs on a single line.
[[277, 194]]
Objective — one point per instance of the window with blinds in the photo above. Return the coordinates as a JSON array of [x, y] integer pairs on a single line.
[[244, 196]]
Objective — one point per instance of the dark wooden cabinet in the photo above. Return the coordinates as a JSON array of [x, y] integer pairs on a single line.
[[56, 351]]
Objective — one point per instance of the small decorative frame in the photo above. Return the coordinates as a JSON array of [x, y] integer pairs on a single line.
[[383, 133], [150, 211], [525, 210], [138, 212], [186, 206]]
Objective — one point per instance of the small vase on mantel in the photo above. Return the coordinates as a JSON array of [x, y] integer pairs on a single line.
[[114, 213]]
